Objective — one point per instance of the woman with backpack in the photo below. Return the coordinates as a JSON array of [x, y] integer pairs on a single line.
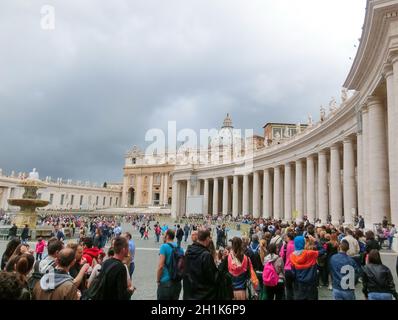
[[286, 250], [273, 275], [241, 270]]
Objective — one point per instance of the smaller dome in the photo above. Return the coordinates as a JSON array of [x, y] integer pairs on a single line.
[[227, 122]]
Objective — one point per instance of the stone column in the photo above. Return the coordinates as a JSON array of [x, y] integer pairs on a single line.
[[365, 171], [125, 195], [299, 190], [174, 199], [150, 189], [310, 189], [166, 189], [225, 193], [277, 199], [215, 197], [350, 201], [267, 192], [137, 198], [323, 193], [288, 192], [378, 160], [256, 194], [161, 190], [335, 185], [360, 174], [235, 197], [391, 76], [206, 197], [245, 195]]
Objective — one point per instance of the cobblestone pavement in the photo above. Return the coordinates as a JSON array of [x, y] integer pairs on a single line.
[[146, 259]]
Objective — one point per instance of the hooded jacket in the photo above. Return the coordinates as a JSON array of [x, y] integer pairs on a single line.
[[285, 253], [57, 285], [378, 278], [277, 262], [304, 262], [200, 274]]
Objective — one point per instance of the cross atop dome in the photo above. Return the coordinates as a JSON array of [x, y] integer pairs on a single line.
[[227, 122]]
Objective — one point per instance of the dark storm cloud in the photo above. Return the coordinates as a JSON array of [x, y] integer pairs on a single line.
[[73, 100]]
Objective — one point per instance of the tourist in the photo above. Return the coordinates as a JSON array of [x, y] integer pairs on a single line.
[[371, 243], [241, 270], [304, 267], [361, 223], [142, 230], [273, 274], [12, 232], [98, 239], [25, 234], [115, 272], [40, 245], [168, 289], [90, 253], [79, 270], [391, 236], [377, 280], [200, 271], [384, 222], [186, 232], [285, 252], [19, 250], [194, 236], [11, 287], [54, 246], [58, 233], [131, 266], [352, 242], [97, 268], [146, 232], [179, 235], [345, 273], [118, 230], [11, 246], [332, 248], [23, 264], [58, 284], [158, 232]]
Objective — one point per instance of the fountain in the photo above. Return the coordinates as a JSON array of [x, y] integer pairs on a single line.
[[29, 202]]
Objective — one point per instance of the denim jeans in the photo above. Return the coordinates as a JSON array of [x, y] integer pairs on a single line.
[[131, 269], [390, 240], [379, 296], [169, 290], [343, 294]]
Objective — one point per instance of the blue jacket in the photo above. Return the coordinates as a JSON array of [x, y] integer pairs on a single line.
[[344, 271]]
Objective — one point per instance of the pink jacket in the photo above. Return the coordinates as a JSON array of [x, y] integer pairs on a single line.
[[289, 251], [40, 246]]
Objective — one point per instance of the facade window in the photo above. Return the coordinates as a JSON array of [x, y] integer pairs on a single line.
[[72, 198], [157, 178], [134, 161], [103, 202], [62, 199], [51, 198], [110, 201], [96, 201], [39, 196], [132, 180], [117, 199], [81, 200]]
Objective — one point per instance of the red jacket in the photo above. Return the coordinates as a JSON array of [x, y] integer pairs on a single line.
[[91, 253]]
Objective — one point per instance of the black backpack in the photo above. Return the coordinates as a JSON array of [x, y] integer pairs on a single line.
[[37, 275], [96, 291], [176, 266]]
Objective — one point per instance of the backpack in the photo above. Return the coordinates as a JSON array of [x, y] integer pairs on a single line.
[[270, 277], [37, 275], [176, 266], [96, 290]]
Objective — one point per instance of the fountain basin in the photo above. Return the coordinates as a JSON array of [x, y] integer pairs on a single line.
[[28, 203]]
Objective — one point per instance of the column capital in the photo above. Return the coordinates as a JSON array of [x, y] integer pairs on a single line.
[[374, 101], [323, 152], [392, 56], [311, 156], [348, 140], [335, 146], [388, 69]]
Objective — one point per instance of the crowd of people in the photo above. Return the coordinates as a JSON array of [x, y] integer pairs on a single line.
[[273, 261]]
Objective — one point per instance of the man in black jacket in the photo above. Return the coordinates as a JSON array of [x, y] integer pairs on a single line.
[[200, 271], [12, 232]]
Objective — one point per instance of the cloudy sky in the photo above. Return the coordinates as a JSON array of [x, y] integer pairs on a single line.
[[74, 99]]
